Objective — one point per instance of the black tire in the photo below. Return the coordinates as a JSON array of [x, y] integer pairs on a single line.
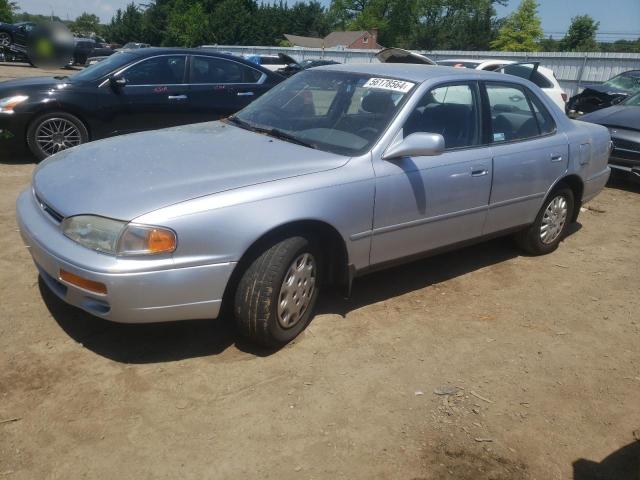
[[530, 239], [35, 124], [6, 35], [258, 293]]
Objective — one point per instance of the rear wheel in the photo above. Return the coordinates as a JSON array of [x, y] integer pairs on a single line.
[[277, 293], [550, 226], [53, 132]]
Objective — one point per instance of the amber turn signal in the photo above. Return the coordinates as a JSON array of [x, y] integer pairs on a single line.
[[85, 284], [160, 240]]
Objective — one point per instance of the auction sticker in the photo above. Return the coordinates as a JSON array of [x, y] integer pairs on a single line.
[[389, 84]]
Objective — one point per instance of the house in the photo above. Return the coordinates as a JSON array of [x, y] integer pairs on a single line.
[[355, 39]]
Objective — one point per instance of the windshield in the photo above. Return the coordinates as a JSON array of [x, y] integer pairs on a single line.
[[633, 101], [339, 112], [458, 63], [106, 66], [625, 81]]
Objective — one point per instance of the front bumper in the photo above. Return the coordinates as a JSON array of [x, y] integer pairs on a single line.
[[135, 294], [13, 130]]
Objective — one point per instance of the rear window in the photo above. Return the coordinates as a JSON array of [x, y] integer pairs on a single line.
[[540, 80]]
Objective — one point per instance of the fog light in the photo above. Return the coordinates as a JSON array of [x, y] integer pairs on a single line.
[[85, 284]]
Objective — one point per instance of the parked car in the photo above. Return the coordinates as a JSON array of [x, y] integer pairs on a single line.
[[131, 91], [15, 33], [296, 67], [611, 92], [400, 55], [271, 62], [543, 77], [623, 122], [264, 209], [104, 51]]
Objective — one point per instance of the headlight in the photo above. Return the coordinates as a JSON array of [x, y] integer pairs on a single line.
[[118, 238], [7, 104]]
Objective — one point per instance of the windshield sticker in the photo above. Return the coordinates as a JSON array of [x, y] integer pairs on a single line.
[[388, 84], [498, 137]]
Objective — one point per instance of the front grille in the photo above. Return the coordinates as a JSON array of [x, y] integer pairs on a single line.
[[625, 152], [48, 210]]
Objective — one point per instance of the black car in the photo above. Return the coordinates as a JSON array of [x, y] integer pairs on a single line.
[[130, 91], [293, 68], [611, 92], [623, 121], [15, 33]]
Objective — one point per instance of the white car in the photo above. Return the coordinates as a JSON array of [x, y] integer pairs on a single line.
[[541, 76]]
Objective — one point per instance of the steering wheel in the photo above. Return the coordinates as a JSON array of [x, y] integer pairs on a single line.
[[367, 132]]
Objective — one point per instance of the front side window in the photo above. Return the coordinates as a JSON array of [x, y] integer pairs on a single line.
[[511, 114], [219, 70], [165, 70], [449, 110], [339, 112]]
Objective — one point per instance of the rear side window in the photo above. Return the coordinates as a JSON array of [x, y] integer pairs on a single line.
[[219, 70], [511, 114], [540, 80], [545, 120]]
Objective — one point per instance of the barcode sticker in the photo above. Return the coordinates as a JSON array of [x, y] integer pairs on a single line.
[[389, 84]]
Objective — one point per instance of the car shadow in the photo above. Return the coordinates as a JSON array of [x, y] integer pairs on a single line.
[[15, 155], [623, 464], [172, 341], [624, 182]]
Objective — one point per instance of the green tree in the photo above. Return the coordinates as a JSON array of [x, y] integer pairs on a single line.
[[126, 26], [86, 23], [7, 9], [521, 31], [581, 36]]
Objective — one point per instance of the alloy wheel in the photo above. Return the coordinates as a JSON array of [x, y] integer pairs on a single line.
[[5, 39], [56, 134]]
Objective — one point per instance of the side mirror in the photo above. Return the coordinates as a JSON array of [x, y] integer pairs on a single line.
[[416, 145], [117, 81]]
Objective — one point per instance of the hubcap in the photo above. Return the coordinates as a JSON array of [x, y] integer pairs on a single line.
[[553, 220], [55, 134], [4, 40], [297, 290]]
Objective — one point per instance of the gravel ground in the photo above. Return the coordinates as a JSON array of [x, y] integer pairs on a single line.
[[476, 364]]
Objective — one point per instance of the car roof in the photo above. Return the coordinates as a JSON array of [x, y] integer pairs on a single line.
[[408, 71]]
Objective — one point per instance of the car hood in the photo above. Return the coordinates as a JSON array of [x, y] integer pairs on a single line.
[[125, 177], [617, 116], [16, 87]]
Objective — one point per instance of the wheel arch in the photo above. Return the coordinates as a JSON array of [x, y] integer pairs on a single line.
[[575, 183], [332, 243]]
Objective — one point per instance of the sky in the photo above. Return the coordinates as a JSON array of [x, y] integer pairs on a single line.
[[618, 18]]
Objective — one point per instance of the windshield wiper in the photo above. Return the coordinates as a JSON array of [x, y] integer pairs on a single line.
[[272, 132]]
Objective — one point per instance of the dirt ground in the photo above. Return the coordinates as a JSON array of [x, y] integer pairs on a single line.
[[540, 358]]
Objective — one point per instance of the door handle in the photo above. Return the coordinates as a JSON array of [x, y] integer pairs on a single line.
[[556, 157], [177, 97], [245, 94], [479, 173]]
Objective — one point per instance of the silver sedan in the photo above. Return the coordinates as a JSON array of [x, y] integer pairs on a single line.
[[337, 171]]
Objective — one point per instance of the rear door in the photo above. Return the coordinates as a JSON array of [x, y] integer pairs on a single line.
[[219, 87], [155, 95], [528, 154]]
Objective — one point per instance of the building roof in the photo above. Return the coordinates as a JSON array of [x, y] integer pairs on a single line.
[[308, 42]]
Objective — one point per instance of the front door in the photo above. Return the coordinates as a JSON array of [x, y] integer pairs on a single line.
[[155, 95], [423, 203], [528, 155]]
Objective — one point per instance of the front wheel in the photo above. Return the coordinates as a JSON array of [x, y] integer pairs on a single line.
[[5, 39], [53, 132], [277, 293], [550, 226]]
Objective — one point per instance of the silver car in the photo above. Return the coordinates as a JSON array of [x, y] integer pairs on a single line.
[[335, 172]]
